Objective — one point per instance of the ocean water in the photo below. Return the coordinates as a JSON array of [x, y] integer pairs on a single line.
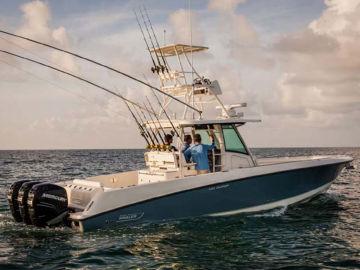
[[321, 234]]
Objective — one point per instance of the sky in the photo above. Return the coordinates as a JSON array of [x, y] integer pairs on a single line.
[[296, 64]]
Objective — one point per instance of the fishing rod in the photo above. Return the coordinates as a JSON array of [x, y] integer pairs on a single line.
[[74, 76], [102, 65], [152, 43], [157, 118], [156, 129], [163, 109], [152, 131], [156, 40], [147, 131], [167, 116], [142, 132], [155, 68]]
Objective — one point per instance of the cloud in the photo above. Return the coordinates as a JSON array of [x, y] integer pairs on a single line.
[[342, 7], [241, 37], [306, 41], [36, 16], [100, 19], [180, 24], [321, 66], [224, 6], [36, 25]]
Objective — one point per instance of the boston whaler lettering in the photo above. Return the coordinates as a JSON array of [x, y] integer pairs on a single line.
[[172, 186]]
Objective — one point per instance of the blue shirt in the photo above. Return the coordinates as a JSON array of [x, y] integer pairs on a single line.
[[199, 155]]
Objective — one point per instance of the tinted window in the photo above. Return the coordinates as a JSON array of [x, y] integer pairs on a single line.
[[232, 141]]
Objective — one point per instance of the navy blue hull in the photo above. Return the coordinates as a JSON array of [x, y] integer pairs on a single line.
[[229, 196]]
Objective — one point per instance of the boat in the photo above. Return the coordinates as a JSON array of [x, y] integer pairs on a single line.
[[170, 187]]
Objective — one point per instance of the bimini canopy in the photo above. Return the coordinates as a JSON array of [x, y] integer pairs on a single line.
[[177, 49], [189, 123]]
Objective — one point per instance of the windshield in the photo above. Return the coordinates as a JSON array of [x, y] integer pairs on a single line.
[[232, 140]]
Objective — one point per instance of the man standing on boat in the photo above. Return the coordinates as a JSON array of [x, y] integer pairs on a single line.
[[168, 142], [198, 153], [187, 144]]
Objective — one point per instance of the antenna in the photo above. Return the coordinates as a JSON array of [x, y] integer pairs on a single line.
[[164, 37], [192, 58]]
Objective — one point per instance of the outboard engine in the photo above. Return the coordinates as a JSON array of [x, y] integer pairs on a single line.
[[13, 199], [22, 200], [48, 204]]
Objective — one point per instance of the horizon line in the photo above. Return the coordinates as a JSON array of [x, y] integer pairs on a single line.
[[254, 147]]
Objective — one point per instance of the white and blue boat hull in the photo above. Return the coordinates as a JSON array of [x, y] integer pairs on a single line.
[[254, 189]]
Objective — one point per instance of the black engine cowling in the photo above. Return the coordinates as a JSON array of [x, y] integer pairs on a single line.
[[22, 200], [13, 199], [48, 204]]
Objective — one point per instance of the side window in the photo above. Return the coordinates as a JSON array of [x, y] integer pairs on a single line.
[[232, 141]]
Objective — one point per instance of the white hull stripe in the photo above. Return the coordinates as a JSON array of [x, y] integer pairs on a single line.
[[281, 203]]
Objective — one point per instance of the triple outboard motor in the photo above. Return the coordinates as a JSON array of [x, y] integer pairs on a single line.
[[48, 204], [38, 203], [22, 200], [13, 199]]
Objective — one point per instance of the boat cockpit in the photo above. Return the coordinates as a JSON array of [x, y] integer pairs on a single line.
[[163, 164]]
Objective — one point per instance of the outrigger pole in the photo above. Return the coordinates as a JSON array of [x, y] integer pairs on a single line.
[[76, 77], [102, 65], [125, 100]]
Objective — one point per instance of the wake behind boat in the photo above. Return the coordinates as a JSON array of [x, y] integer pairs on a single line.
[[172, 186]]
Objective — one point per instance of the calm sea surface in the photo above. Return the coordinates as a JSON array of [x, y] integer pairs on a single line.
[[321, 234]]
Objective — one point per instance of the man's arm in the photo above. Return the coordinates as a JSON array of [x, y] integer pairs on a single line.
[[184, 148], [187, 153], [212, 145]]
